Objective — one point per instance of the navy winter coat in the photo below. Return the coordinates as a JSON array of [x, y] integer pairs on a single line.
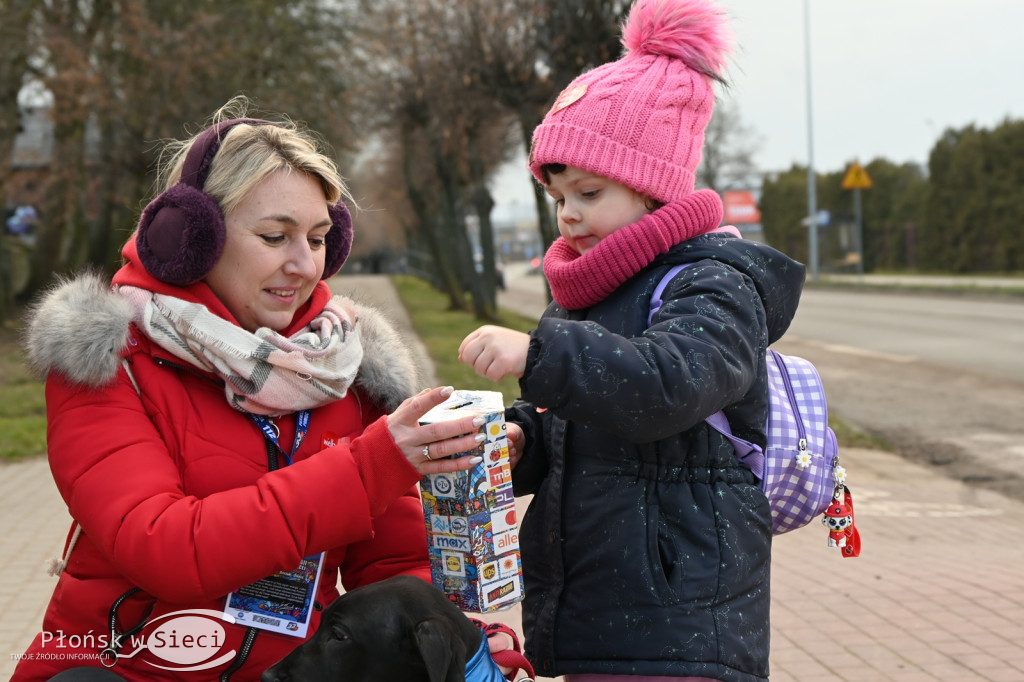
[[646, 547]]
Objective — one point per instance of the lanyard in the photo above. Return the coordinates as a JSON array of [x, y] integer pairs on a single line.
[[270, 431]]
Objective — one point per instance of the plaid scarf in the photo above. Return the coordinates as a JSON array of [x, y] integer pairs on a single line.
[[264, 373]]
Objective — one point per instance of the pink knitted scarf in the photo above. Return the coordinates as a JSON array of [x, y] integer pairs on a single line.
[[579, 281]]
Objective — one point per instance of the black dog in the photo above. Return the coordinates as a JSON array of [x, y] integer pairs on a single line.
[[397, 630]]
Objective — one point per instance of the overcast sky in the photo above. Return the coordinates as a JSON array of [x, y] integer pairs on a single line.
[[887, 77]]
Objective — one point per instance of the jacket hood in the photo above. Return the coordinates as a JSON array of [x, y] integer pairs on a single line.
[[778, 278], [80, 328]]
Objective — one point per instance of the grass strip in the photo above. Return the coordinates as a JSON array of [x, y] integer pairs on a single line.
[[442, 330]]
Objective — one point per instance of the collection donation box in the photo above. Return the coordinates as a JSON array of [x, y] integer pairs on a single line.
[[472, 531]]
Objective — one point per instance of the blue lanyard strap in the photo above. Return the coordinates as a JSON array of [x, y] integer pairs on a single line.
[[270, 431]]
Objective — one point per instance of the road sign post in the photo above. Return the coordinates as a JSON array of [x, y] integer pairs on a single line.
[[857, 179]]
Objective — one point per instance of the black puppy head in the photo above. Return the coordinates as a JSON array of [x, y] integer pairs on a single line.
[[398, 629]]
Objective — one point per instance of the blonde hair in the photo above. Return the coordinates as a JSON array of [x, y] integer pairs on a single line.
[[249, 154]]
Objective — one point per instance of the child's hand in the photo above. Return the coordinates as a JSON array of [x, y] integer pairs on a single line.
[[496, 644], [516, 443], [495, 352]]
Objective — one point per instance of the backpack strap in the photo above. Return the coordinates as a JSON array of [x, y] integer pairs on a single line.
[[656, 301], [748, 453]]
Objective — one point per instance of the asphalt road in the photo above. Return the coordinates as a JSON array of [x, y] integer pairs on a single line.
[[940, 378]]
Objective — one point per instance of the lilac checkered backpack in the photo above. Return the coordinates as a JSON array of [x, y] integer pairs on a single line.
[[799, 468]]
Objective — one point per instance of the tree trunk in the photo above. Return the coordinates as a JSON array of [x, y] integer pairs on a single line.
[[483, 204], [545, 224], [429, 231]]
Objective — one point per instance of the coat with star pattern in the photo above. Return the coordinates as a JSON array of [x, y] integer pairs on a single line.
[[646, 547]]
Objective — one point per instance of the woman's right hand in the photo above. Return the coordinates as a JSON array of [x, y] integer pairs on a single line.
[[429, 447]]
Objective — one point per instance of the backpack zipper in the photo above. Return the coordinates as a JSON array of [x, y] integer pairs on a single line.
[[791, 395]]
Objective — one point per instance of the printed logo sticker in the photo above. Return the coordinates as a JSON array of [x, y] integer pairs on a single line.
[[507, 541], [452, 542], [440, 524], [508, 565], [444, 486], [503, 519], [454, 564], [500, 475], [504, 497], [501, 593]]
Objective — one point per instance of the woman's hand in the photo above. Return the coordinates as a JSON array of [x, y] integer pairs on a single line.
[[428, 447], [495, 352]]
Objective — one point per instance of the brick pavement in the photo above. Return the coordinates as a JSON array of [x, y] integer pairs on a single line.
[[937, 594], [35, 525]]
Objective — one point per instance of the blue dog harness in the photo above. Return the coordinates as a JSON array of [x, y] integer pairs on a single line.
[[482, 668]]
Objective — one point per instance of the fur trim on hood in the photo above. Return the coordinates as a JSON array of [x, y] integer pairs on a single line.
[[79, 328]]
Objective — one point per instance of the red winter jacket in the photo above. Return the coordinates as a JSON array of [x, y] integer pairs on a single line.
[[174, 490]]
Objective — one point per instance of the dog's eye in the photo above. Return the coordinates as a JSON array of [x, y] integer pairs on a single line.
[[340, 633]]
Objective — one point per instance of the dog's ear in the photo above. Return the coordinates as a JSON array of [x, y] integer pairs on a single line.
[[443, 654]]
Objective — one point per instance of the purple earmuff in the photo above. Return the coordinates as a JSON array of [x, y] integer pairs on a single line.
[[338, 240]]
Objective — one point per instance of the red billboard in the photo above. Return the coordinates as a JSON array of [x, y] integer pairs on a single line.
[[740, 208]]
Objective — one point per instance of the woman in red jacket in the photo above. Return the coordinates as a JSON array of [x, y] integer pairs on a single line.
[[228, 436]]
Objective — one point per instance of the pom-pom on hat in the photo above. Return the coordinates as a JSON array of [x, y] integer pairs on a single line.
[[640, 120]]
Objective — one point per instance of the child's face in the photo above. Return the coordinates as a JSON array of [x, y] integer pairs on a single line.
[[590, 207]]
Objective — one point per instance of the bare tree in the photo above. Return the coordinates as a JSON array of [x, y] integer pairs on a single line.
[[124, 74], [423, 87], [14, 55], [527, 51], [729, 148], [15, 51]]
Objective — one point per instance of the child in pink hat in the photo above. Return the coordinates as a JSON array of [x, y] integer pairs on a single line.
[[646, 547]]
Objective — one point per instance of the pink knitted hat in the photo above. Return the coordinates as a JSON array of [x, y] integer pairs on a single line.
[[640, 120]]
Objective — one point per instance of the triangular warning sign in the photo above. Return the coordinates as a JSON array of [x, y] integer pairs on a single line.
[[856, 178]]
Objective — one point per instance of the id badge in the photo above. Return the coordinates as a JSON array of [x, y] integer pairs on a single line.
[[280, 603]]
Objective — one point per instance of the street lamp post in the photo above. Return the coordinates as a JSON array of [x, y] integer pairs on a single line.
[[812, 195]]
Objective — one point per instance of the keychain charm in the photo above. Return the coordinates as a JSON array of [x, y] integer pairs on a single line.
[[838, 518]]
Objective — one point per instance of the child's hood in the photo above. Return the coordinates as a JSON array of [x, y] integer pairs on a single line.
[[778, 278]]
